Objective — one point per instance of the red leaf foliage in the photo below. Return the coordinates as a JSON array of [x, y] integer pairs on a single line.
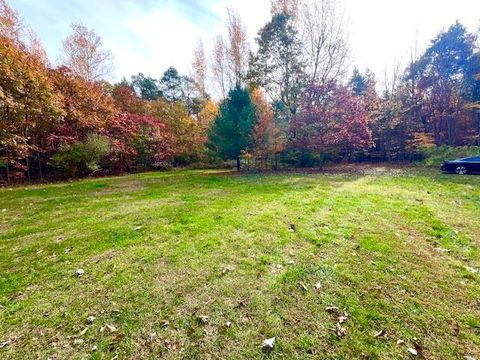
[[136, 139], [331, 117]]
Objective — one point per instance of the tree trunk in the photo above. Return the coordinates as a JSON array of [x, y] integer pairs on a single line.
[[40, 166], [28, 169], [8, 173], [238, 163]]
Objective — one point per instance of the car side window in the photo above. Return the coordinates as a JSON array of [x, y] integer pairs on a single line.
[[472, 159]]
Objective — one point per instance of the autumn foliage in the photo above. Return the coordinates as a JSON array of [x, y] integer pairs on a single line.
[[138, 142], [287, 102], [331, 119]]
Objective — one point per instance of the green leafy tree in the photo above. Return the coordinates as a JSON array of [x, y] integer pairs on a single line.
[[145, 87], [277, 66], [232, 131], [172, 85], [358, 83], [443, 68]]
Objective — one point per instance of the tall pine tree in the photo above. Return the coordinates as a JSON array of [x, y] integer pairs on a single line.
[[232, 130]]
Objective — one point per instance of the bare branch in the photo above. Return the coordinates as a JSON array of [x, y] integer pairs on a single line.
[[326, 46], [83, 54]]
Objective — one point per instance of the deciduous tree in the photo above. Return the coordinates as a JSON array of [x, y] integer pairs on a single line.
[[84, 54], [238, 48], [138, 141], [29, 107], [199, 69], [87, 106], [219, 67], [325, 43], [182, 126], [331, 119], [289, 7], [269, 140], [126, 100], [11, 23]]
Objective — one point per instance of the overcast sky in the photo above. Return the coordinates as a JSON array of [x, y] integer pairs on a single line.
[[150, 35]]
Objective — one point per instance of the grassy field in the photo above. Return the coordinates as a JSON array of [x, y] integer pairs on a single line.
[[208, 264]]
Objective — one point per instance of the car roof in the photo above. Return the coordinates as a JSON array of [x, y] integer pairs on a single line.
[[474, 158]]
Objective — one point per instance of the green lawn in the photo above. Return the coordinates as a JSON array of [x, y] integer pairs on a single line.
[[208, 264]]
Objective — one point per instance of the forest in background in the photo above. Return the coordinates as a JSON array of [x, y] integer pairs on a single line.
[[290, 99]]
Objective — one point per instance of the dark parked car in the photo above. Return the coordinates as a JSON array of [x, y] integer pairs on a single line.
[[462, 166]]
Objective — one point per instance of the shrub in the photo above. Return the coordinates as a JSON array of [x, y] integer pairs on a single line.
[[301, 158], [435, 156], [82, 158]]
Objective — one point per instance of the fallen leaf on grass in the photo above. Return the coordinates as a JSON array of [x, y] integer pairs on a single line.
[[332, 309], [118, 337], [268, 344], [412, 351], [203, 319], [80, 272], [4, 344], [339, 330], [244, 320], [472, 270], [344, 317], [227, 269], [111, 328], [456, 329], [171, 345], [151, 337], [303, 286], [381, 333]]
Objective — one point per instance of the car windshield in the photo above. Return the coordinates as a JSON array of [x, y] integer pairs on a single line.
[[471, 159]]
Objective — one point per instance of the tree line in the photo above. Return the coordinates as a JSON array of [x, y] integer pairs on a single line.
[[287, 100]]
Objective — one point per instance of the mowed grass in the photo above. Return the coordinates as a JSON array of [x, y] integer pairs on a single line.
[[206, 265]]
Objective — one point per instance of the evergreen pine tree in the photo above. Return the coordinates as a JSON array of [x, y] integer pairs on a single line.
[[232, 130]]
